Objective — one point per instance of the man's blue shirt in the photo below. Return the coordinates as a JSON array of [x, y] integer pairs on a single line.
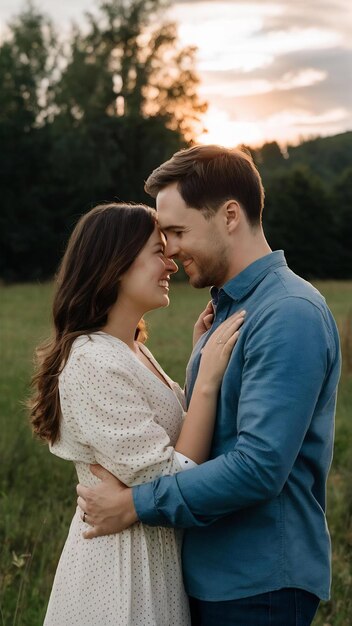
[[255, 513]]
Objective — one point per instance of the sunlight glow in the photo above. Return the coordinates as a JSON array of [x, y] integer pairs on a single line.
[[295, 125], [287, 126], [269, 49], [229, 133]]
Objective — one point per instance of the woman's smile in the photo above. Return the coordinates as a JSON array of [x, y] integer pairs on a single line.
[[165, 283]]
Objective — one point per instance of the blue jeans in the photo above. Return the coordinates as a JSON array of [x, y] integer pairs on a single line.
[[285, 607]]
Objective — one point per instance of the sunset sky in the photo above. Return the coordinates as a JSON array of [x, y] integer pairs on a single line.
[[269, 69]]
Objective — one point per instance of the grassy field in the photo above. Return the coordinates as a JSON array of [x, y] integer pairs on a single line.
[[37, 490]]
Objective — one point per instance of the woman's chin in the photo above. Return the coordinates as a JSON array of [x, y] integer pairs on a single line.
[[161, 303], [165, 301]]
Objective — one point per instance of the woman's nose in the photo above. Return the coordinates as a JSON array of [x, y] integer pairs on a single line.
[[170, 265]]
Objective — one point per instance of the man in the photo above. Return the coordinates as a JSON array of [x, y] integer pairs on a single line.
[[256, 549]]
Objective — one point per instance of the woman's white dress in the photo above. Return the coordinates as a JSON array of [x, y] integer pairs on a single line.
[[116, 412]]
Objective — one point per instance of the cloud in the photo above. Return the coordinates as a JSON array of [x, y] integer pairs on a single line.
[[278, 66], [246, 36], [333, 16], [315, 79], [286, 126], [290, 80]]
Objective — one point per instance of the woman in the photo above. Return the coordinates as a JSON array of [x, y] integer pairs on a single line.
[[102, 398]]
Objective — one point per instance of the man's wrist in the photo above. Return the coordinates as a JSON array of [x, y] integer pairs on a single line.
[[130, 514], [144, 505]]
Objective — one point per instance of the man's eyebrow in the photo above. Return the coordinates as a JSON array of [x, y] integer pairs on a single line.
[[165, 229]]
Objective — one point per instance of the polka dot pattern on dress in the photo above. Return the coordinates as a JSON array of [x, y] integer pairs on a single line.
[[116, 412]]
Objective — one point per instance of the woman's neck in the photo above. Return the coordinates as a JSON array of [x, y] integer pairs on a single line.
[[122, 323]]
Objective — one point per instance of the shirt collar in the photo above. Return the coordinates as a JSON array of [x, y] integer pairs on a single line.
[[238, 287]]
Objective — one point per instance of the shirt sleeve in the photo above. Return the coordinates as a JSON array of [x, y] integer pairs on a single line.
[[117, 421], [284, 369], [185, 462]]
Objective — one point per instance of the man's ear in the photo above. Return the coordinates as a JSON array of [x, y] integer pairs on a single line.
[[233, 214]]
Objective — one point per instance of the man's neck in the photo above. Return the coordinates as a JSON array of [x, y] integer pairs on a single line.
[[247, 253]]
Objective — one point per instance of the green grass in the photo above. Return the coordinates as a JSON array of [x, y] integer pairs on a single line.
[[37, 490]]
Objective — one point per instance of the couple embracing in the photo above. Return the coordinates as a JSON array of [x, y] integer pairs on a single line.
[[219, 492]]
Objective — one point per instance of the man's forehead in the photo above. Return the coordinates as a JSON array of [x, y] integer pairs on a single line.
[[169, 200], [173, 217], [170, 217]]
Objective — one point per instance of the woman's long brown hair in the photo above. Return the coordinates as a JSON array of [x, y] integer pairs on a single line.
[[102, 247]]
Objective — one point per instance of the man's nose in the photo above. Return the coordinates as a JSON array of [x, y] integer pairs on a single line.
[[172, 249]]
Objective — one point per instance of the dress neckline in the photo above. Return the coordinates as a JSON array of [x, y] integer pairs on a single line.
[[148, 355]]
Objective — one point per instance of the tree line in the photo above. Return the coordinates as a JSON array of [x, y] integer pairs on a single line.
[[85, 118], [308, 207]]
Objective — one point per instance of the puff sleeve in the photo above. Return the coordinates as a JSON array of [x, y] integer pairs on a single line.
[[110, 419]]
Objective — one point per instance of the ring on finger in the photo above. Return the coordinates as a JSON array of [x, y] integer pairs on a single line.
[[84, 516]]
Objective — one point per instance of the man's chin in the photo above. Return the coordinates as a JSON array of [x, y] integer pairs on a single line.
[[198, 282]]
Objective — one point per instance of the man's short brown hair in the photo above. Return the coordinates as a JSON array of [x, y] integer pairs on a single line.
[[208, 176]]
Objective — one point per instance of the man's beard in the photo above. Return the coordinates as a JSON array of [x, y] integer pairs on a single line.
[[211, 276], [212, 270]]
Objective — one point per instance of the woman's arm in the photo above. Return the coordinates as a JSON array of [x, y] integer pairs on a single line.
[[116, 421], [197, 430]]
